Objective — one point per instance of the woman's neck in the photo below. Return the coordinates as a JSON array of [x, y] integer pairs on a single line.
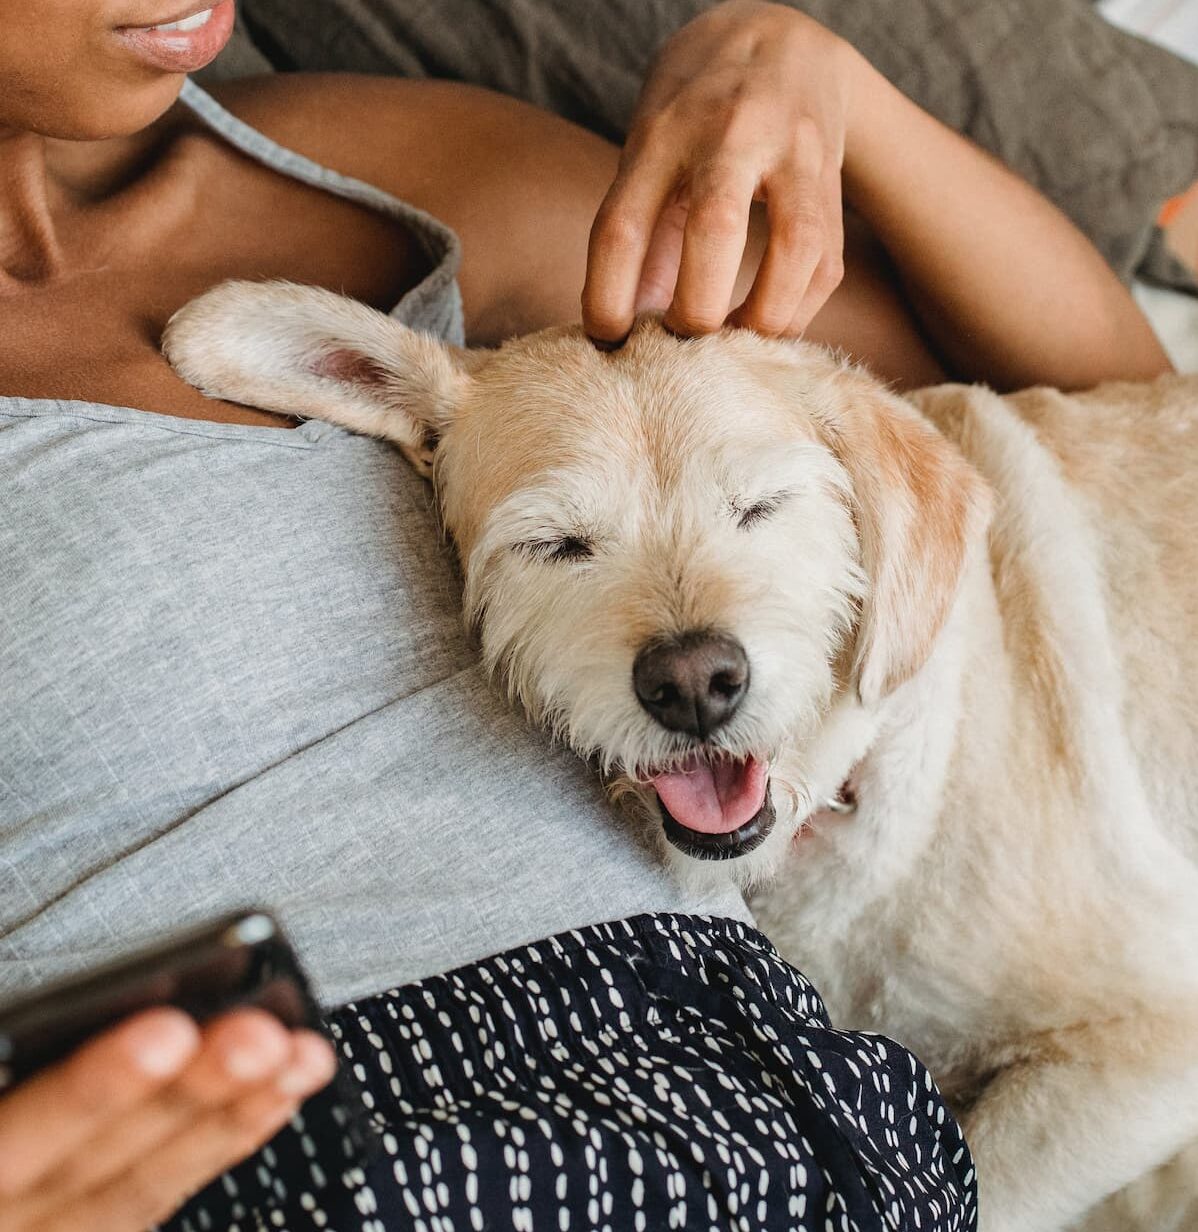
[[29, 244]]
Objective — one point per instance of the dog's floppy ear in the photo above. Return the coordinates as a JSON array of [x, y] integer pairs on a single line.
[[306, 351], [919, 508]]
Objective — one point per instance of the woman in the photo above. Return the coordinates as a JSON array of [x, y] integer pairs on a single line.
[[231, 668]]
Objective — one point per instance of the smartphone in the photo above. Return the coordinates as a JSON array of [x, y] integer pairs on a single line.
[[240, 960]]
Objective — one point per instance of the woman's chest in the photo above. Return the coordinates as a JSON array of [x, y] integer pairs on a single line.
[[93, 333], [186, 607]]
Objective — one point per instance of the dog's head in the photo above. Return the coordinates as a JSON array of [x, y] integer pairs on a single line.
[[704, 563]]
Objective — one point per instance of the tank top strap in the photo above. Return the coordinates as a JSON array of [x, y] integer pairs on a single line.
[[434, 305]]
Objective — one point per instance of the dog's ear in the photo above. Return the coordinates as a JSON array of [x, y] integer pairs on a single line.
[[919, 508], [306, 351]]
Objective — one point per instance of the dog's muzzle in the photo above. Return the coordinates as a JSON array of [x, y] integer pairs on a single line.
[[713, 807]]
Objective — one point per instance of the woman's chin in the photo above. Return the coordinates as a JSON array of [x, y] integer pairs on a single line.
[[99, 110], [103, 76]]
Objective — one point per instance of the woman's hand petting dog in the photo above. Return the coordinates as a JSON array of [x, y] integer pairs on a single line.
[[748, 103], [757, 103], [115, 1137]]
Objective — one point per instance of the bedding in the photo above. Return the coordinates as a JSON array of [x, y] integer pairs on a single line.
[[1175, 318]]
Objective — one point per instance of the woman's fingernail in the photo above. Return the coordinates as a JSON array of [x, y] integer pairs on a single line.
[[296, 1082], [602, 344], [313, 1065], [163, 1045], [248, 1064]]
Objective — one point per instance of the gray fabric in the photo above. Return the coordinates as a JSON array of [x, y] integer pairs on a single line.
[[232, 673], [1106, 125]]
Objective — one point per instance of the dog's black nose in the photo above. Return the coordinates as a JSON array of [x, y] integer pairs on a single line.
[[691, 683]]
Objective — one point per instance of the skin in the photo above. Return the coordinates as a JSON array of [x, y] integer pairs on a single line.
[[116, 208], [998, 285], [118, 1135]]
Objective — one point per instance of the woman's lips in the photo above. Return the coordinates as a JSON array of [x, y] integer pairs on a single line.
[[190, 45]]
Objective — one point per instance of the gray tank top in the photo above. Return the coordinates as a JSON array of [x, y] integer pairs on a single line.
[[232, 673]]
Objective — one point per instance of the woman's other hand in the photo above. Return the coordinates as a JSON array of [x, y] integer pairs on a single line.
[[116, 1137], [745, 104]]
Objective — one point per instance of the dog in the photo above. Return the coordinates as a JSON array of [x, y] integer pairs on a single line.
[[918, 673]]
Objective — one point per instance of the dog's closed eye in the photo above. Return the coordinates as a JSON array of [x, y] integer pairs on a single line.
[[749, 515], [563, 549]]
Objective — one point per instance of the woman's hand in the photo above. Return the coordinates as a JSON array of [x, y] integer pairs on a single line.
[[746, 103], [116, 1137], [756, 102]]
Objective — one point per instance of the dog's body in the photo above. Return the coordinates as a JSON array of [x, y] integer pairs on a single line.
[[1017, 894], [748, 581]]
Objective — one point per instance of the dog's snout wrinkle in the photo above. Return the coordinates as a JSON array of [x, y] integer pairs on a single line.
[[692, 683]]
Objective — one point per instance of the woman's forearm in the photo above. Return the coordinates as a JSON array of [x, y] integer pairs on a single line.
[[1006, 288]]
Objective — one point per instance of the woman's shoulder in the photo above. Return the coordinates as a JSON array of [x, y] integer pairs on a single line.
[[520, 186], [391, 132]]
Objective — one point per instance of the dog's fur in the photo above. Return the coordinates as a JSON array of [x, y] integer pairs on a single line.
[[1014, 697]]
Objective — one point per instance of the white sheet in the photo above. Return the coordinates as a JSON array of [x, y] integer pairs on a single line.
[[1174, 316], [1172, 23]]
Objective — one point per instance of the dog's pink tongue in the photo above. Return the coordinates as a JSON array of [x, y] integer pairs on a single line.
[[713, 799]]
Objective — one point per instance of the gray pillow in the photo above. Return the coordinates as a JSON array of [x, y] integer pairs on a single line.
[[240, 58], [1106, 125]]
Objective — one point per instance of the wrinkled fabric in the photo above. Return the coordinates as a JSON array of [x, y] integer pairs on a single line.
[[660, 1072]]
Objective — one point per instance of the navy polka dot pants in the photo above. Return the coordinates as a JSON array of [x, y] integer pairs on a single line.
[[656, 1073]]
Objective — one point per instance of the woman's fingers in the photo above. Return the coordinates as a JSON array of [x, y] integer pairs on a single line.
[[804, 257], [659, 273], [748, 100], [713, 244], [829, 272], [687, 258], [793, 252], [162, 1180], [680, 247], [53, 1114], [619, 242], [827, 277], [141, 1156], [239, 1052], [219, 1137]]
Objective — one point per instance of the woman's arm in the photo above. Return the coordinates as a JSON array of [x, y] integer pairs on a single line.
[[521, 188], [1003, 283], [756, 102], [730, 186]]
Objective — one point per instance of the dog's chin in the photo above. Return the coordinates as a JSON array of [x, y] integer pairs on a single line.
[[747, 856]]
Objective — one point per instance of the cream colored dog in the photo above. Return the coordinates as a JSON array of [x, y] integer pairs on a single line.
[[924, 669]]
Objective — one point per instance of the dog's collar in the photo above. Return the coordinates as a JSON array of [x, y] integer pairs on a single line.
[[843, 803], [838, 807]]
